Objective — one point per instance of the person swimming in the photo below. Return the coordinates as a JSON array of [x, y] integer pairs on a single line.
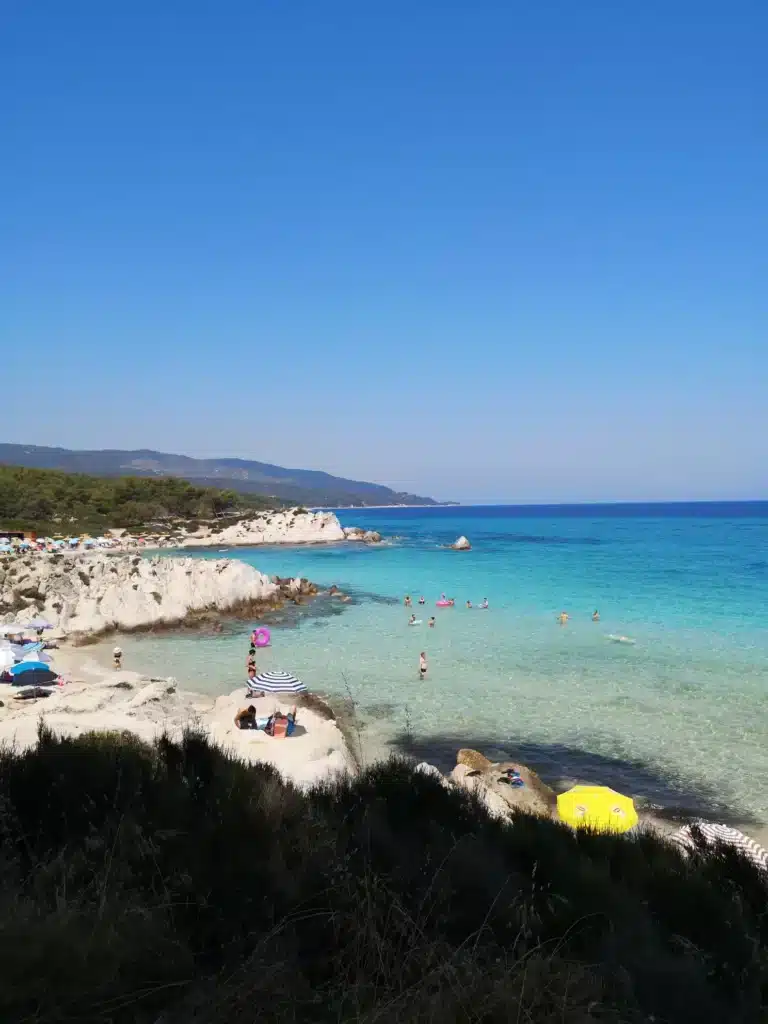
[[595, 615]]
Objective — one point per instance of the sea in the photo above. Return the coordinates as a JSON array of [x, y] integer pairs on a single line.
[[675, 714]]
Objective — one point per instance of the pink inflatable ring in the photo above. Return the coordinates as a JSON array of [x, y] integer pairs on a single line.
[[260, 637], [442, 604]]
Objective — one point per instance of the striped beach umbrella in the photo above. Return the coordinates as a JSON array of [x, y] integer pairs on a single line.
[[711, 834], [277, 682]]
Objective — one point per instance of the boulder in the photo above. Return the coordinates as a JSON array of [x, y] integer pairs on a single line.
[[489, 780], [361, 536], [473, 759], [461, 544]]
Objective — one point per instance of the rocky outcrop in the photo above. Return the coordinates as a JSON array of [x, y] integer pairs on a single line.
[[497, 785], [93, 700], [290, 526], [492, 782], [357, 533], [461, 544], [99, 593]]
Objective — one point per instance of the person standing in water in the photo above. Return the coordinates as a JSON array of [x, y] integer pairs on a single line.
[[469, 604], [485, 603], [422, 600], [422, 665], [117, 656], [250, 662], [412, 620], [562, 618], [432, 622], [595, 615], [407, 602]]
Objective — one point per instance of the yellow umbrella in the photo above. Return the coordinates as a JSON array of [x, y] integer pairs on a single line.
[[597, 807]]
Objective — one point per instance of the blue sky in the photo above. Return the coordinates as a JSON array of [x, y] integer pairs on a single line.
[[479, 250]]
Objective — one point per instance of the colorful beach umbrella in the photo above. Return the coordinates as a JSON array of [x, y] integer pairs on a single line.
[[277, 682], [44, 676], [597, 807], [28, 666]]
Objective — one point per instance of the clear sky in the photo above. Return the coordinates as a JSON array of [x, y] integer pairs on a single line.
[[493, 250]]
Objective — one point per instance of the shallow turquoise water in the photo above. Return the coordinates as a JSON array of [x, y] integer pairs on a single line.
[[678, 718]]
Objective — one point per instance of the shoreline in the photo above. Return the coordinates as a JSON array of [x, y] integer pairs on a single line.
[[182, 703], [99, 698]]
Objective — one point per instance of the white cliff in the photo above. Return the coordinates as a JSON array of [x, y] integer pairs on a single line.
[[97, 593], [291, 526]]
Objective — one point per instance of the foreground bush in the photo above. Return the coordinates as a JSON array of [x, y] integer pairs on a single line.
[[173, 883]]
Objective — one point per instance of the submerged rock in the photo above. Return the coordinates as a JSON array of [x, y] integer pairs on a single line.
[[461, 544], [357, 533]]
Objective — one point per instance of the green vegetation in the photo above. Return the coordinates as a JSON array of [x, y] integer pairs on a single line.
[[51, 501], [173, 883]]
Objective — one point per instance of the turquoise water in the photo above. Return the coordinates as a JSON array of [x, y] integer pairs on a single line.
[[678, 718]]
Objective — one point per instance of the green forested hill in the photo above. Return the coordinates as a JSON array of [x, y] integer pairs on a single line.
[[52, 501], [292, 486]]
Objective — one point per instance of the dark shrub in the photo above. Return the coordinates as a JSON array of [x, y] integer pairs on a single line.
[[174, 881]]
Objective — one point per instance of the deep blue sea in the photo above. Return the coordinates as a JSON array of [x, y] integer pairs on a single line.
[[679, 717]]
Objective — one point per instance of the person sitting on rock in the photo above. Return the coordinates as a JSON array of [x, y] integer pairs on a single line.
[[246, 718]]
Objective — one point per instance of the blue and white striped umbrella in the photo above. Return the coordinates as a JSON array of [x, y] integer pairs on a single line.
[[277, 682]]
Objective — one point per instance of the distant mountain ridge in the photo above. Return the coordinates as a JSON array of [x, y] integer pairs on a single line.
[[299, 486]]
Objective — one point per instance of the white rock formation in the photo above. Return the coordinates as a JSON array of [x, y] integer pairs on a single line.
[[462, 775], [357, 533], [291, 526], [95, 700], [462, 544], [94, 593]]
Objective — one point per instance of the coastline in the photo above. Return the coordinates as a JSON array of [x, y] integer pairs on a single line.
[[98, 698], [332, 741], [302, 656]]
